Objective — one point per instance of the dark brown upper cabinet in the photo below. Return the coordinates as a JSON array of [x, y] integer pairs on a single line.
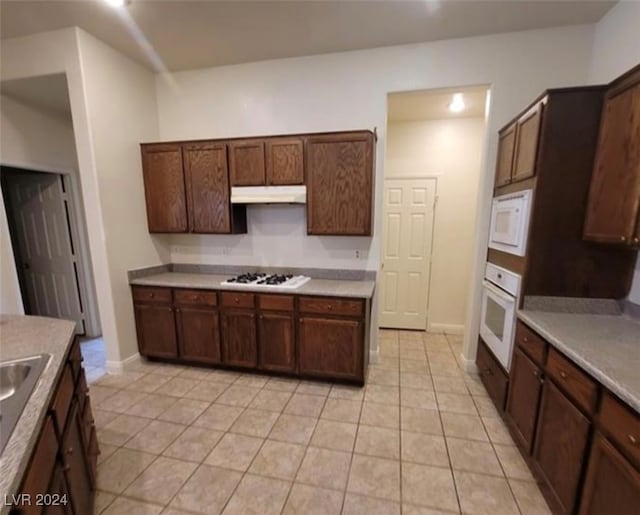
[[506, 146], [247, 163], [518, 147], [613, 211], [187, 189], [284, 160], [339, 171], [164, 187], [526, 147]]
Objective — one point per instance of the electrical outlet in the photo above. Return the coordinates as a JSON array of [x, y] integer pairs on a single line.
[[357, 254]]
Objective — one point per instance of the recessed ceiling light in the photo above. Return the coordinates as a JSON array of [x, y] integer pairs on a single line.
[[457, 104], [117, 3]]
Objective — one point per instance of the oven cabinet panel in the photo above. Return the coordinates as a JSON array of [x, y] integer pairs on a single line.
[[331, 348], [493, 377], [560, 448], [612, 484], [526, 148], [525, 386], [277, 342], [239, 338]]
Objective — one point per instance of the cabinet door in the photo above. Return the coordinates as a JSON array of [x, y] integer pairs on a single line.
[[239, 345], [330, 348], [60, 503], [524, 396], [284, 161], [156, 329], [560, 447], [277, 351], [506, 146], [614, 198], [526, 148], [164, 188], [207, 179], [339, 171], [612, 484], [199, 334], [246, 163], [76, 464]]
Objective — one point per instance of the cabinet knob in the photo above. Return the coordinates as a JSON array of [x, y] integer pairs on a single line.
[[563, 374], [195, 297], [66, 468], [623, 238], [70, 450], [536, 373], [236, 300], [525, 339], [636, 240], [632, 439], [152, 295], [329, 307]]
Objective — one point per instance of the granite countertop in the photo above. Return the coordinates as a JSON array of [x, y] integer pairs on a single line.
[[606, 346], [324, 287], [20, 337]]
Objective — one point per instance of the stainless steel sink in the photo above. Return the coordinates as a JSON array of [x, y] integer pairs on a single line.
[[17, 380]]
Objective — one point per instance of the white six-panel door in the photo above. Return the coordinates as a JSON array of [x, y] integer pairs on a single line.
[[45, 248], [408, 214]]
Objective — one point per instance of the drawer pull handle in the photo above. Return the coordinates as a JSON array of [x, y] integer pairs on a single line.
[[632, 439], [329, 307], [152, 295], [563, 374]]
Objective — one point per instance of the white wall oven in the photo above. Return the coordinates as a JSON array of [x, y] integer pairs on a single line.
[[500, 292], [510, 222]]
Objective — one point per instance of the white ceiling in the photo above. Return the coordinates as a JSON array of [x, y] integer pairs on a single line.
[[434, 104], [47, 91], [197, 34]]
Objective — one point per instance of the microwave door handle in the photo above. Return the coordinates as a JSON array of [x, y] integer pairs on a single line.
[[498, 292]]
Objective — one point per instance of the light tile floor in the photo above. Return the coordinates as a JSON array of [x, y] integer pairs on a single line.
[[95, 360], [420, 438]]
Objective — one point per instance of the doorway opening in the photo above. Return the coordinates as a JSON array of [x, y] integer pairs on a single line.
[[45, 252], [433, 162]]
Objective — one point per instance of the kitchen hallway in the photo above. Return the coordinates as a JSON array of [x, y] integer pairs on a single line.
[[421, 437]]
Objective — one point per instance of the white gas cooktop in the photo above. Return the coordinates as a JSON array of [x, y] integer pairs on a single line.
[[267, 281]]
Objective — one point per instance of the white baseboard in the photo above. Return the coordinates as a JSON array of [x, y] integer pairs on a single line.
[[373, 356], [446, 328], [469, 365], [118, 367]]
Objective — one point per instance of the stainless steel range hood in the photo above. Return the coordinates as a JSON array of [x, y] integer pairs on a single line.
[[269, 195]]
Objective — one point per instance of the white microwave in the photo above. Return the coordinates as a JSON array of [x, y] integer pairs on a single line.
[[510, 222]]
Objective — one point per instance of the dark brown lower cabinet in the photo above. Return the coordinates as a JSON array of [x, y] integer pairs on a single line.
[[199, 334], [613, 483], [156, 329], [330, 347], [60, 500], [524, 396], [76, 463], [560, 448], [239, 343], [277, 336], [492, 375]]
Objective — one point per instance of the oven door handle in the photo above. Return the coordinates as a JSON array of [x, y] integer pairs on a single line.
[[498, 292]]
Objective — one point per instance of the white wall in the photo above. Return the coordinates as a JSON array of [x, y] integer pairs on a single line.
[[452, 150], [349, 91], [616, 49], [36, 139], [113, 109]]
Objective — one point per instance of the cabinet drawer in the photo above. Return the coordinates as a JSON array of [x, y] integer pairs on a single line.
[[63, 397], [492, 375], [572, 380], [622, 425], [530, 343], [331, 306], [82, 389], [238, 300], [276, 302], [151, 294], [195, 298], [40, 468]]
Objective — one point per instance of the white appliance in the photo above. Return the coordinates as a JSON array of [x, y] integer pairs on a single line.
[[266, 281], [269, 195], [510, 222], [500, 293]]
